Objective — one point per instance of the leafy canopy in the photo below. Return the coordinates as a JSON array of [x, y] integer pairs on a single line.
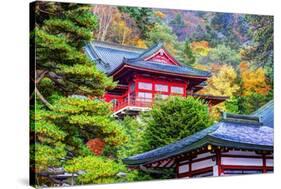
[[174, 119]]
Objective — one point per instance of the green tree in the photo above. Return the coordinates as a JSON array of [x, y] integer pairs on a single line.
[[261, 31], [223, 54], [172, 120], [162, 33], [64, 119], [134, 130], [59, 40], [252, 102], [232, 105], [186, 55]]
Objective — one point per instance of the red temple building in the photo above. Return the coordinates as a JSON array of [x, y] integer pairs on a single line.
[[144, 75], [239, 144]]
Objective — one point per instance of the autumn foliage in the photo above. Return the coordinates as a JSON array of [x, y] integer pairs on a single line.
[[222, 83], [200, 48], [253, 80], [96, 146]]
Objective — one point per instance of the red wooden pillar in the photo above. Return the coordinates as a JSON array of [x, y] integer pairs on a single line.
[[263, 163], [153, 92], [136, 100], [177, 168], [218, 161]]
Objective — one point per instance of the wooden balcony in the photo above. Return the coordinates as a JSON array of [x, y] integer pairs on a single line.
[[132, 106]]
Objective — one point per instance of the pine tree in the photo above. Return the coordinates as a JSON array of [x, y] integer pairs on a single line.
[[64, 118]]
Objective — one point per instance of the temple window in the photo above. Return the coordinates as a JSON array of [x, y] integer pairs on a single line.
[[161, 88], [177, 90], [144, 85]]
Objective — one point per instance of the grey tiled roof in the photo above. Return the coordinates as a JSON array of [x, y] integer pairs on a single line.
[[266, 112], [109, 57], [237, 131]]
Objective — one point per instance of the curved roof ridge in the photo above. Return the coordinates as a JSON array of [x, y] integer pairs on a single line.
[[154, 48]]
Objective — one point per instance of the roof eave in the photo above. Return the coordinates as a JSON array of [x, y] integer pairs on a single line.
[[204, 141], [124, 65]]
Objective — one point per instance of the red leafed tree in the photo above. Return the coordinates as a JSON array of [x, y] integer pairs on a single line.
[[96, 146]]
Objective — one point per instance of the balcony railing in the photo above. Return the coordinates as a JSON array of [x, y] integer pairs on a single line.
[[133, 101], [148, 102]]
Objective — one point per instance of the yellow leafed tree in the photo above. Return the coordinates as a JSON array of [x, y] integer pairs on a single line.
[[253, 81], [120, 31], [222, 83], [140, 43]]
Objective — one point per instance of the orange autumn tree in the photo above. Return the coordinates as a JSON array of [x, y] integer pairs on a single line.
[[253, 80]]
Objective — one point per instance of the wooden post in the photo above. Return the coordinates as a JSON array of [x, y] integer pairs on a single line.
[[190, 166], [263, 163], [217, 170], [72, 180], [177, 168]]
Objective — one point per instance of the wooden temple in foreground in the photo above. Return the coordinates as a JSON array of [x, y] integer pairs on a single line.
[[239, 144], [146, 74]]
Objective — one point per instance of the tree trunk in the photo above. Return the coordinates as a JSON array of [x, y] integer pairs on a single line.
[[41, 97]]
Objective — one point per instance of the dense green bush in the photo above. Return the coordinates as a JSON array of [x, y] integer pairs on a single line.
[[174, 119]]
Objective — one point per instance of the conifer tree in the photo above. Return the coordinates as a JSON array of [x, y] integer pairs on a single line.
[[172, 120], [65, 118]]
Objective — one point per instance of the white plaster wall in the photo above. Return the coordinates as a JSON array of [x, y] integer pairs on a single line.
[[241, 161], [269, 162], [183, 168], [202, 164]]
